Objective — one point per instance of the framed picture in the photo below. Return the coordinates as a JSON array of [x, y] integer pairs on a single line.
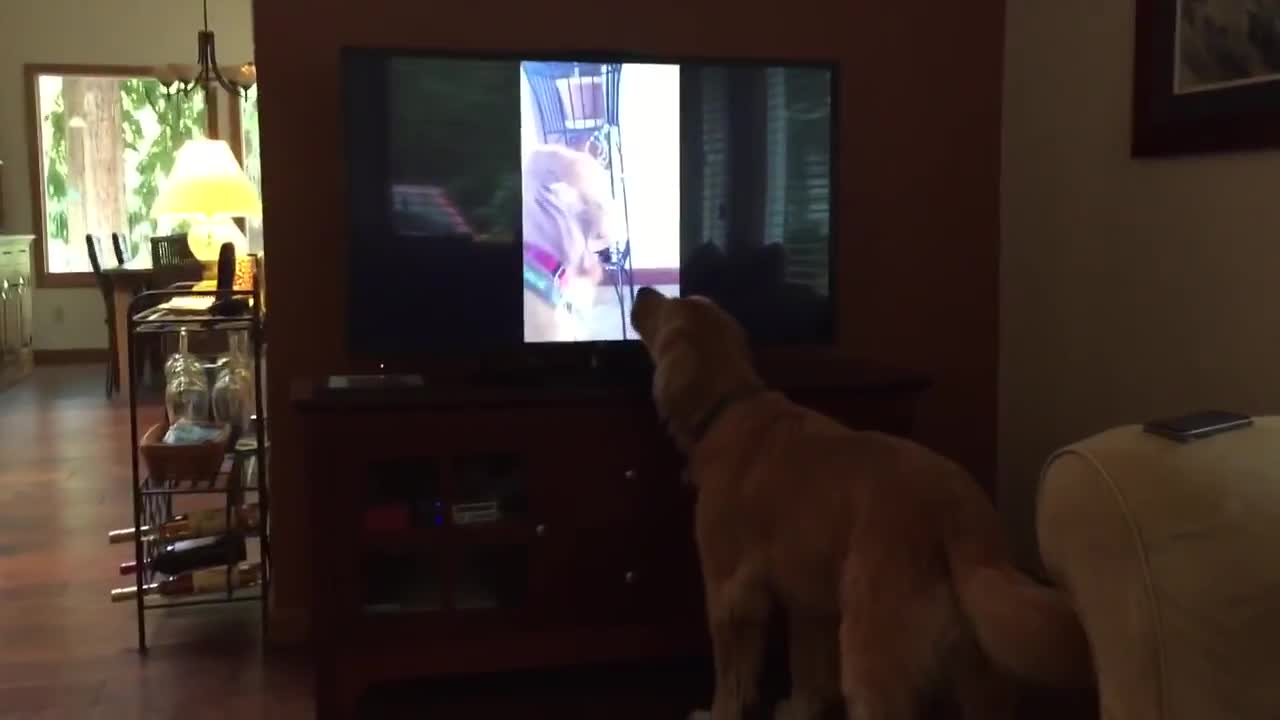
[[1206, 76]]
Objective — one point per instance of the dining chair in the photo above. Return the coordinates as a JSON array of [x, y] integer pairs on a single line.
[[117, 245], [174, 267], [94, 246], [168, 250]]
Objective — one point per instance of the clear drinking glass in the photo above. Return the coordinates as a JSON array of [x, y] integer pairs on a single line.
[[182, 360], [233, 398], [186, 391]]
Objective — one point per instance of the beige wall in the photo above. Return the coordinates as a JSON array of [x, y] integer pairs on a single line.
[[1129, 289], [121, 32]]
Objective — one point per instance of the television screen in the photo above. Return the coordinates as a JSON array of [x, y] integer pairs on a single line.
[[495, 202]]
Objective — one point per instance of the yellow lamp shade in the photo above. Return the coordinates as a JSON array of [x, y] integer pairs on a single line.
[[208, 184]]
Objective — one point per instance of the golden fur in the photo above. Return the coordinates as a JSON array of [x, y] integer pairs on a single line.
[[887, 558], [550, 164], [576, 221]]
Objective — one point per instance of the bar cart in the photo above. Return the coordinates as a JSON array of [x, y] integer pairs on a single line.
[[236, 476]]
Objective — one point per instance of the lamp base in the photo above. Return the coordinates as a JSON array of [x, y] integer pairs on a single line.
[[205, 239]]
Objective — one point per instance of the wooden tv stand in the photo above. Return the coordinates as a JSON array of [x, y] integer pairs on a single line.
[[473, 530]]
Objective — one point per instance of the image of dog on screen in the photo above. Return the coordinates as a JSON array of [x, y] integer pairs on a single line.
[[600, 193], [569, 217]]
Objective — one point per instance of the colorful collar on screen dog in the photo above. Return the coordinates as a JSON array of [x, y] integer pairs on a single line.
[[543, 274]]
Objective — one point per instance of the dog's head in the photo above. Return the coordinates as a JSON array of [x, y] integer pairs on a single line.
[[591, 186], [701, 360]]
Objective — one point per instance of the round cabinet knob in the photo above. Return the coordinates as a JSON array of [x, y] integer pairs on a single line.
[[629, 577], [631, 474], [540, 530]]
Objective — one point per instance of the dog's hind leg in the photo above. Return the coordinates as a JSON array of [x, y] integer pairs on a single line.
[[897, 625], [738, 612], [814, 645], [877, 681]]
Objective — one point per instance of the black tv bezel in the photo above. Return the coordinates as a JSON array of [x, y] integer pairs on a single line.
[[596, 355]]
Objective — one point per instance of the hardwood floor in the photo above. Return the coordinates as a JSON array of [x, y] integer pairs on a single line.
[[65, 650]]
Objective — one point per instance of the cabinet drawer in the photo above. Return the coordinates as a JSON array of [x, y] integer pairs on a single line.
[[620, 528], [614, 472], [664, 578], [444, 434], [605, 577], [14, 263]]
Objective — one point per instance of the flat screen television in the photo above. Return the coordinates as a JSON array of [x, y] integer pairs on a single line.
[[508, 202]]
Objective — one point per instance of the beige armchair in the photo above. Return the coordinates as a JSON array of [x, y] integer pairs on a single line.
[[1172, 554]]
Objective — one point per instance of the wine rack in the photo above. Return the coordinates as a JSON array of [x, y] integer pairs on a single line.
[[240, 478]]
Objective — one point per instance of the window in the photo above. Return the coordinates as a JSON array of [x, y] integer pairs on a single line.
[[107, 138], [244, 115], [715, 155], [795, 210], [798, 197]]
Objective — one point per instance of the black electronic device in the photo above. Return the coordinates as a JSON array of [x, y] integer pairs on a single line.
[[502, 203], [374, 382], [1198, 425], [226, 274]]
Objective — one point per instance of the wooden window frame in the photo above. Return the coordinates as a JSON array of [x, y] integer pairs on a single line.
[[36, 169], [235, 133], [235, 138]]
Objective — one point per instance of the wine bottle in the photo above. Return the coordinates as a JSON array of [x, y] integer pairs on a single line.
[[197, 582], [201, 523], [187, 555]]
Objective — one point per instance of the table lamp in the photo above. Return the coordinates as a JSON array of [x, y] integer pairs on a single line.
[[208, 187]]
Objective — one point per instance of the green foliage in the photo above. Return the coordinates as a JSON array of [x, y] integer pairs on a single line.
[[178, 119], [154, 125], [56, 171], [249, 131]]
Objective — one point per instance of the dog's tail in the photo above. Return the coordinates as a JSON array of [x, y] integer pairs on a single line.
[[1026, 629]]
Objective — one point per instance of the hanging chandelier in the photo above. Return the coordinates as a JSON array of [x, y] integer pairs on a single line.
[[184, 79]]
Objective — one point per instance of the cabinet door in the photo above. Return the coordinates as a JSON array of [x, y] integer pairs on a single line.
[[26, 314], [447, 517], [620, 522], [8, 334], [337, 546], [13, 314]]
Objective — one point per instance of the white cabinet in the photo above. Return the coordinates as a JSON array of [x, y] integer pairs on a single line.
[[16, 296]]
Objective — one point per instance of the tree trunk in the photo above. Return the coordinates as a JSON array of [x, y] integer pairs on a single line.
[[96, 199], [73, 102]]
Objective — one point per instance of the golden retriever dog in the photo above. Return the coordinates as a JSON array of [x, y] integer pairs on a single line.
[[568, 215], [887, 559]]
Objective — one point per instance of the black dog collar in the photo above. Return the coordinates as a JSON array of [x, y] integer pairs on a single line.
[[702, 427]]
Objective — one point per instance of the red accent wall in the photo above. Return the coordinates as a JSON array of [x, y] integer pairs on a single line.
[[918, 204]]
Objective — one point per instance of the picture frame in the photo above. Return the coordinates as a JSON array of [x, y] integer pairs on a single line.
[[1206, 76]]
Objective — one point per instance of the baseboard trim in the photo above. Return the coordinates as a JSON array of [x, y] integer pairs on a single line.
[[72, 356]]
